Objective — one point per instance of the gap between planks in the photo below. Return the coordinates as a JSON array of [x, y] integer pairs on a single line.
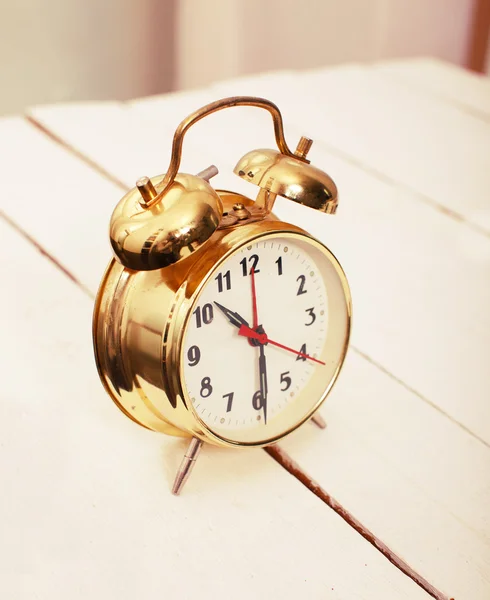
[[46, 254], [283, 459], [418, 394], [83, 157]]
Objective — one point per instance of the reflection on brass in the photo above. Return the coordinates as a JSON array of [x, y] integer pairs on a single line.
[[145, 239], [289, 177], [140, 317], [240, 211]]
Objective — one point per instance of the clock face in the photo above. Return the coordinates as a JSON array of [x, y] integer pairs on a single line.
[[266, 338]]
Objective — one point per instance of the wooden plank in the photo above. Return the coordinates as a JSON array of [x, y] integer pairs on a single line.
[[41, 232], [467, 90], [367, 224], [63, 203], [116, 152], [86, 503]]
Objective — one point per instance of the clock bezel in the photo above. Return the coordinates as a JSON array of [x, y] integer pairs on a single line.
[[198, 278]]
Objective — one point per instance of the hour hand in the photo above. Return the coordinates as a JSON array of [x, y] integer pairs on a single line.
[[233, 317]]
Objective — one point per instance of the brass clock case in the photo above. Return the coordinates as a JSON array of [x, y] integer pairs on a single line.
[[139, 324], [169, 235]]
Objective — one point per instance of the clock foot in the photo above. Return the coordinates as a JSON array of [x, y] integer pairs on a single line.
[[319, 421], [186, 465]]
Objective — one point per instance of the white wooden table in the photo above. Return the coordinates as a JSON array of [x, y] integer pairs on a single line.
[[86, 510]]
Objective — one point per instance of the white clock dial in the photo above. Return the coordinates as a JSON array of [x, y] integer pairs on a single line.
[[243, 372]]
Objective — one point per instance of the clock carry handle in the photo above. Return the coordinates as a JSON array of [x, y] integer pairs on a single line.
[[187, 123]]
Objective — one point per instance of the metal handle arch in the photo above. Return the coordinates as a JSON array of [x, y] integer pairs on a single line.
[[213, 107]]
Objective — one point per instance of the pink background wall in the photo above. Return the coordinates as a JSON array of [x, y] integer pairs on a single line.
[[58, 50]]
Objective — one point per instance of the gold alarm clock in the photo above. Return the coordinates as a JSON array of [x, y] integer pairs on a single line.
[[216, 320]]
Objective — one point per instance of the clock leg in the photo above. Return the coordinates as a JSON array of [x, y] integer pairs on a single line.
[[319, 421], [187, 465]]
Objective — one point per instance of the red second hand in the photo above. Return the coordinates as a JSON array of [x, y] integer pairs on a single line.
[[254, 301], [262, 337]]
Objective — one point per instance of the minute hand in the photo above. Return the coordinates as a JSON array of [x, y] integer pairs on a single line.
[[233, 317], [264, 339], [263, 381]]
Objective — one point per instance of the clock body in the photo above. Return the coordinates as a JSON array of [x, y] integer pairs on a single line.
[[172, 360]]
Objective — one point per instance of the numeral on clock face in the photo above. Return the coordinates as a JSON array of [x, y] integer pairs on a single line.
[[206, 387], [253, 261], [194, 356], [257, 400], [226, 279], [229, 397], [205, 315], [303, 351], [312, 319], [302, 281], [286, 380]]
